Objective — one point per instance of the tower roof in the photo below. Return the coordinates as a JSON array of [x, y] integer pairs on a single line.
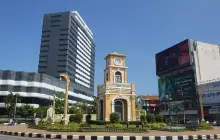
[[115, 54]]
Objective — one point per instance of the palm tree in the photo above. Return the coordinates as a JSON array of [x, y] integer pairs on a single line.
[[177, 109], [10, 103], [59, 102], [94, 104]]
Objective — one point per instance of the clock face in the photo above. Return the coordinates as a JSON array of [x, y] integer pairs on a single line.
[[117, 61]]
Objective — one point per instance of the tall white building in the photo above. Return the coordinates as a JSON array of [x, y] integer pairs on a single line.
[[67, 46]]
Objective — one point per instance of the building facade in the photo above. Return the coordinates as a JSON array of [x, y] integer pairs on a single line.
[[36, 89], [116, 95], [67, 46], [149, 103], [185, 71]]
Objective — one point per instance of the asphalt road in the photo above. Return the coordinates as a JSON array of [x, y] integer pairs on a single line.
[[5, 137]]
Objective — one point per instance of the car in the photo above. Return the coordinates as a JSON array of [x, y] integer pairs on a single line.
[[181, 121], [212, 122]]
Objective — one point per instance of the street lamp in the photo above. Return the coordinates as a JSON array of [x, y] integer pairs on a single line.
[[201, 107], [66, 97]]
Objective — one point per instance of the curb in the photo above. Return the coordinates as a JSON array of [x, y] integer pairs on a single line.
[[77, 137]]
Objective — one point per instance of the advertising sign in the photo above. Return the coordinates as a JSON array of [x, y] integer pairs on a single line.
[[214, 111], [177, 87], [210, 93], [173, 58]]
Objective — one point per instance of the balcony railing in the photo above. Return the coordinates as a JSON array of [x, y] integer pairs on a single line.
[[114, 88]]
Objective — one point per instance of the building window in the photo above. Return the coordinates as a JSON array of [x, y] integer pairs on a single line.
[[106, 76], [54, 25], [29, 89], [118, 77], [17, 88]]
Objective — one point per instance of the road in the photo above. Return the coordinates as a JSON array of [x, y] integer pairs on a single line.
[[5, 137]]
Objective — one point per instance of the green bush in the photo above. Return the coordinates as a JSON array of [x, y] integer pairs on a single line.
[[132, 127], [159, 118], [163, 125], [99, 122], [143, 118], [155, 126], [4, 121], [84, 125], [20, 121], [114, 125], [71, 127], [205, 126], [88, 118], [114, 117], [150, 118], [77, 118], [57, 127]]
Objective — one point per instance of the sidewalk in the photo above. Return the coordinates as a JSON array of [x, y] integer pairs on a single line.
[[23, 128]]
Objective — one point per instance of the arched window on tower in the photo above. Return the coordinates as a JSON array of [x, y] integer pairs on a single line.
[[118, 77], [106, 76]]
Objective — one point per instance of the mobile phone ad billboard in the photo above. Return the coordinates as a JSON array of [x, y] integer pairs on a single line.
[[173, 58], [177, 87]]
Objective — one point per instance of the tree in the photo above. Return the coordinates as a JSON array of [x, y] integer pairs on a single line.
[[84, 107], [143, 118], [10, 103], [41, 112], [94, 105], [77, 118], [74, 109], [114, 117], [177, 109], [159, 118], [59, 102], [150, 118], [26, 111]]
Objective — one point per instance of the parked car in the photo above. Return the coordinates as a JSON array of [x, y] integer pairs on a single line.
[[212, 122], [181, 121]]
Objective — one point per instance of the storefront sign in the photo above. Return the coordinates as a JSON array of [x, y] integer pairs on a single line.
[[210, 93], [214, 111], [177, 87]]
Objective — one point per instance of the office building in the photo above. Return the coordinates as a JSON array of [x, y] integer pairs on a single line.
[[149, 103], [185, 71], [35, 89], [67, 46]]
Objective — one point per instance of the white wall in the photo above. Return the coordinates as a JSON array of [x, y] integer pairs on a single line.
[[207, 61]]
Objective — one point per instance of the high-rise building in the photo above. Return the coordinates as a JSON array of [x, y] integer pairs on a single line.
[[67, 46]]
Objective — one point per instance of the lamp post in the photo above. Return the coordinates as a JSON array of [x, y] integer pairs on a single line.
[[168, 98], [201, 107], [66, 97]]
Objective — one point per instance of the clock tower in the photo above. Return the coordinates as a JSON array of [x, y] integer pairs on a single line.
[[116, 94]]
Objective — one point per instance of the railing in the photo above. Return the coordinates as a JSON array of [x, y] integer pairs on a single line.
[[120, 85], [114, 87]]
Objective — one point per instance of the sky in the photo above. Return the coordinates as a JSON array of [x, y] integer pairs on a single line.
[[137, 28]]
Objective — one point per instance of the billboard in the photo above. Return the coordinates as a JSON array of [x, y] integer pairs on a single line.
[[177, 87], [173, 58], [210, 93]]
